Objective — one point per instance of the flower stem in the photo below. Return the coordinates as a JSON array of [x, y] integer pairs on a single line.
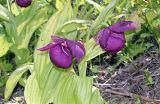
[[9, 5]]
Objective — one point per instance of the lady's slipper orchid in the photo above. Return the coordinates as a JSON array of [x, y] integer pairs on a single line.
[[112, 38], [24, 3], [61, 51]]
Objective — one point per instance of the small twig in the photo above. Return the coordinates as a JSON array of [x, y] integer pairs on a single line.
[[124, 85], [97, 84], [113, 76], [128, 94], [153, 57]]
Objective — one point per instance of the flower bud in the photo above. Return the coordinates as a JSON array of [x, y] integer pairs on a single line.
[[23, 3], [112, 38]]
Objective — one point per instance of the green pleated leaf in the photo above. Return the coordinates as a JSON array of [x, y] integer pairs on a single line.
[[15, 9], [92, 50], [5, 14], [22, 55], [27, 22], [14, 78], [73, 25], [36, 95], [73, 90], [22, 29], [59, 4], [96, 97], [27, 32], [9, 21], [5, 45], [11, 30], [62, 87], [32, 92], [70, 28]]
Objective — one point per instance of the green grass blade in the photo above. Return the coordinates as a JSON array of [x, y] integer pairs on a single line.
[[96, 5], [105, 12]]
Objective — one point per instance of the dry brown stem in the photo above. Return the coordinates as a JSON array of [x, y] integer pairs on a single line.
[[128, 94]]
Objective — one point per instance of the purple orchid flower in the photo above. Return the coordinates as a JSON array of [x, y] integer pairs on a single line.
[[61, 51], [23, 3], [112, 38]]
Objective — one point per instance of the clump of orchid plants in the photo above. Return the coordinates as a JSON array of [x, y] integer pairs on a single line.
[[62, 51], [111, 39]]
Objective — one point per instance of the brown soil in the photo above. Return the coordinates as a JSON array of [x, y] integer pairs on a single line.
[[129, 85], [16, 98]]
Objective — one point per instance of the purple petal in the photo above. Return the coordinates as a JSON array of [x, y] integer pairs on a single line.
[[77, 49], [57, 39], [123, 26], [23, 3], [103, 37], [60, 56], [115, 43], [47, 47], [99, 35]]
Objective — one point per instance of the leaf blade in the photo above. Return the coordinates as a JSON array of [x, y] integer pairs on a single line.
[[14, 78]]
